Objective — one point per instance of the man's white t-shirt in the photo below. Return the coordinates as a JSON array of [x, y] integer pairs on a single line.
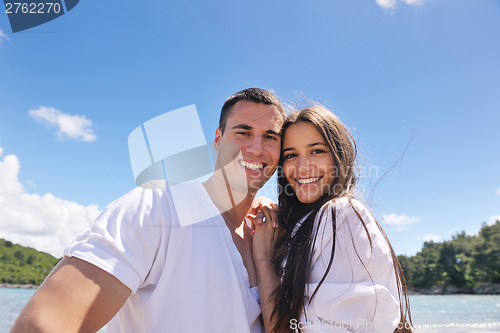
[[180, 262]]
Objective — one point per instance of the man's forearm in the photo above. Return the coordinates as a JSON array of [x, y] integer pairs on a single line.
[[268, 281]]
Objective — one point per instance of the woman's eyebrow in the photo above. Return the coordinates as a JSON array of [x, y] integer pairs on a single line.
[[316, 144]]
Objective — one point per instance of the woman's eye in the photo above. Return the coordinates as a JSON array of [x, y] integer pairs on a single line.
[[318, 151], [289, 156]]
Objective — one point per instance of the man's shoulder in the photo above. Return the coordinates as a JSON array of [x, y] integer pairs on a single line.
[[163, 194], [144, 196], [154, 199]]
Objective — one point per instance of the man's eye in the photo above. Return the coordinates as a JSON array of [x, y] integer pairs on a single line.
[[271, 137], [242, 133]]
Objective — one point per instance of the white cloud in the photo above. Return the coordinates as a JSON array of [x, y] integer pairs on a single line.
[[45, 222], [68, 126], [402, 221], [431, 238], [3, 36], [386, 3], [390, 4], [413, 2]]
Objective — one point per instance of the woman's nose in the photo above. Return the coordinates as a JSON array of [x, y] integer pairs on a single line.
[[304, 166]]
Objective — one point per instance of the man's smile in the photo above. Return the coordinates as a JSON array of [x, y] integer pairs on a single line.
[[254, 166]]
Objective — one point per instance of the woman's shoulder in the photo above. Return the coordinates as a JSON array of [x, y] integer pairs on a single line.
[[347, 205], [356, 228], [348, 211], [334, 210]]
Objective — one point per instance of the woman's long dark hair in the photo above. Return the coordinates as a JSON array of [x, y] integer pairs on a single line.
[[294, 248]]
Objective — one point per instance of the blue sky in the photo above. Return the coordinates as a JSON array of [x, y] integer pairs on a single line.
[[392, 70]]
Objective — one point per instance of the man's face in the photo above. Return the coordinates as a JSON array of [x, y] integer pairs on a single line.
[[249, 149]]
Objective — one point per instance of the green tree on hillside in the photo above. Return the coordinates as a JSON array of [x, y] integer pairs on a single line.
[[23, 265], [463, 261], [487, 256]]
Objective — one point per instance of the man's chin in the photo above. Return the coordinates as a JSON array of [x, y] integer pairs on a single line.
[[255, 185], [250, 187]]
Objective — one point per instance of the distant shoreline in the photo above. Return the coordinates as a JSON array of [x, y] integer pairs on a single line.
[[482, 289], [18, 286]]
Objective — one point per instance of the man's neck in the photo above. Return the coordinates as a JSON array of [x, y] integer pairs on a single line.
[[232, 204]]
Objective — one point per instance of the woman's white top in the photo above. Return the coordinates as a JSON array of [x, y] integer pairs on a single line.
[[359, 293]]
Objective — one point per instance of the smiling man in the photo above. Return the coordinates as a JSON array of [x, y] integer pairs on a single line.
[[248, 142], [154, 264]]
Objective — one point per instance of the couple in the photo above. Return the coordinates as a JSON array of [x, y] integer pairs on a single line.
[[185, 260]]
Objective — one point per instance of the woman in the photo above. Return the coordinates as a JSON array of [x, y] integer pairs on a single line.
[[332, 267]]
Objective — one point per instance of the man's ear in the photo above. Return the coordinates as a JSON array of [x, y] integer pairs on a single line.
[[218, 138]]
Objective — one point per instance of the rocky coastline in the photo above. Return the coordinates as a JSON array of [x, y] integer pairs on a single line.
[[481, 289], [18, 286]]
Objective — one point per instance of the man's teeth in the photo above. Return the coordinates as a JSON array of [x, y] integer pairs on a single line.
[[308, 180], [252, 166]]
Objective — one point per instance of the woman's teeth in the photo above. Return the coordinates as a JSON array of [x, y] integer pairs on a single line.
[[308, 180]]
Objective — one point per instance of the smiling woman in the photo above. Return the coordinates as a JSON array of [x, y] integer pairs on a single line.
[[308, 163], [332, 266]]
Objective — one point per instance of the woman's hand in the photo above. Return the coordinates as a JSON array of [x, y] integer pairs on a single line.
[[255, 214], [265, 225], [264, 220]]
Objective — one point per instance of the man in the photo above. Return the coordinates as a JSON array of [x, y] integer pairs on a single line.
[[154, 266]]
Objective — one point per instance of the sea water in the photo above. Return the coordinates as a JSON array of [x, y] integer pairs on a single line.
[[431, 313], [12, 301], [456, 313]]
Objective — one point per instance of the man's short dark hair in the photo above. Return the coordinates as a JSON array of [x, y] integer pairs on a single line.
[[255, 95]]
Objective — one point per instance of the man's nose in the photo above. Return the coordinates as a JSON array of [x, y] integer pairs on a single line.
[[256, 146]]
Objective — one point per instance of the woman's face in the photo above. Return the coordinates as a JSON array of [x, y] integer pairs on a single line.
[[308, 163]]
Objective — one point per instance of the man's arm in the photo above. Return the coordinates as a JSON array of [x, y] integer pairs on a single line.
[[76, 297], [266, 233]]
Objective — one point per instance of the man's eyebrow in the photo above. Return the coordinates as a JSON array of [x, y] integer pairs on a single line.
[[249, 128], [242, 126], [273, 132]]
